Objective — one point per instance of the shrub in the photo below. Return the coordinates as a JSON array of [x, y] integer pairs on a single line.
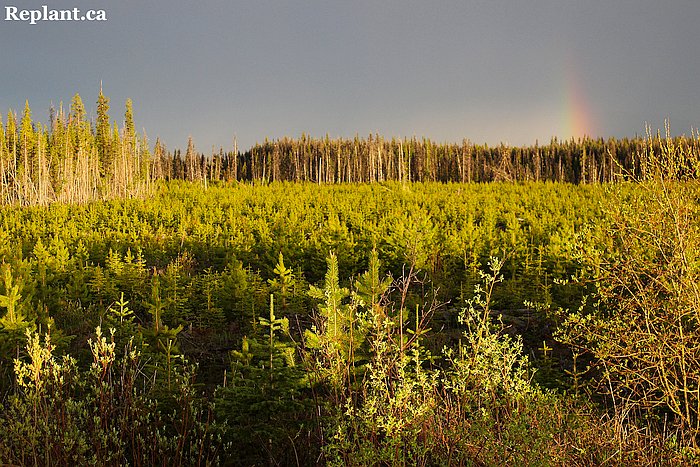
[[478, 407], [60, 415], [643, 332]]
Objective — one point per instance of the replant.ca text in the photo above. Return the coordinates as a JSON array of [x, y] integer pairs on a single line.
[[34, 16]]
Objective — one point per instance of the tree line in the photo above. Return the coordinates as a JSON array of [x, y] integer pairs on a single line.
[[377, 159], [74, 159]]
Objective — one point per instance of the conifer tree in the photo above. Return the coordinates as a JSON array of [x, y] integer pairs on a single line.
[[79, 157], [26, 144], [161, 163], [191, 162], [103, 134], [42, 176], [15, 321], [338, 334], [129, 131], [128, 145], [3, 165], [77, 109]]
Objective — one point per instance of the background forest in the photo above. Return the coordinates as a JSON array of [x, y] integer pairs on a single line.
[[75, 160], [345, 302]]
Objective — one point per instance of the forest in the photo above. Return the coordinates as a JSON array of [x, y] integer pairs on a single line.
[[361, 301], [75, 160]]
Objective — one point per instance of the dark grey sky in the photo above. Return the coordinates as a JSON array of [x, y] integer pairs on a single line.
[[488, 70]]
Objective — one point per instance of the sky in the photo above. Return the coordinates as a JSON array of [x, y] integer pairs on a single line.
[[490, 71]]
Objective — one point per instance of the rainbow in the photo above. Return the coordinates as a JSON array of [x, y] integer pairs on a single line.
[[577, 118]]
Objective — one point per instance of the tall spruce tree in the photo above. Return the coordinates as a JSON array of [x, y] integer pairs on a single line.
[[191, 161], [103, 135], [77, 109], [129, 119], [27, 150], [123, 174], [159, 163], [11, 141]]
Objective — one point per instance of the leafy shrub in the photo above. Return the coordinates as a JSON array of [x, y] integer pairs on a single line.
[[643, 332], [60, 415], [479, 407]]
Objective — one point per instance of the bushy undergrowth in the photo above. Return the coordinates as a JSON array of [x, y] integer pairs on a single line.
[[111, 413], [642, 333], [359, 388], [473, 404]]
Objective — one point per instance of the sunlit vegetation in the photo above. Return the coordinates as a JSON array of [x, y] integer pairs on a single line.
[[244, 314], [71, 160], [75, 160]]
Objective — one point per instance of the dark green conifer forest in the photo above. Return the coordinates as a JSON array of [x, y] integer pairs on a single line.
[[365, 301]]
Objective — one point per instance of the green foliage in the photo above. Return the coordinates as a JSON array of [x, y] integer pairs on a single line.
[[370, 287], [69, 161], [284, 281], [643, 331], [15, 322], [456, 227], [489, 383], [175, 288], [333, 311], [351, 369], [264, 400], [104, 415], [478, 408], [121, 318], [337, 336]]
